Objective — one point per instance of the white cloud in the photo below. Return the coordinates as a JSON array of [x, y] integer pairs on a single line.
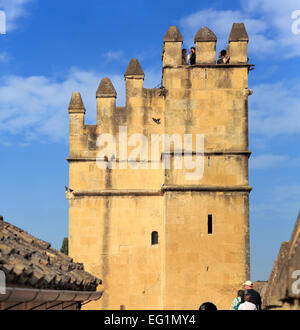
[[113, 55], [35, 108], [281, 202], [274, 109], [14, 9], [4, 57], [220, 22], [121, 56], [267, 161], [268, 22]]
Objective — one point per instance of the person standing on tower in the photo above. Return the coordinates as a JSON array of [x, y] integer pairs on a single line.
[[184, 57], [192, 56], [223, 58]]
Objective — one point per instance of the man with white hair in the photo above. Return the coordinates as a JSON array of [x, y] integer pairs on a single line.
[[255, 296]]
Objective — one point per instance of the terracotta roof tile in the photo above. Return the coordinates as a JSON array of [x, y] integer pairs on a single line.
[[31, 262]]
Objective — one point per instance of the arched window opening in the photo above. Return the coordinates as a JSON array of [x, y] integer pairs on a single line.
[[154, 238], [209, 224]]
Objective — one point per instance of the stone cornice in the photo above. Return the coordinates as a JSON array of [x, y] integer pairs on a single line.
[[206, 153], [206, 188], [210, 65], [158, 192], [118, 192]]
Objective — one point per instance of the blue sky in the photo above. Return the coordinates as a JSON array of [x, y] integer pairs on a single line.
[[52, 48]]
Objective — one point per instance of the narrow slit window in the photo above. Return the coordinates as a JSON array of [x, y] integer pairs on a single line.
[[210, 224], [208, 162], [154, 238]]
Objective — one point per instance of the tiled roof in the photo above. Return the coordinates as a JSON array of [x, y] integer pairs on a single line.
[[30, 262]]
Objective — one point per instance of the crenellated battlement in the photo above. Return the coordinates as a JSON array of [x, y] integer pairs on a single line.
[[192, 99]]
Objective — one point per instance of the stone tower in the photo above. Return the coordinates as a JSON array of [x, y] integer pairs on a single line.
[[158, 239]]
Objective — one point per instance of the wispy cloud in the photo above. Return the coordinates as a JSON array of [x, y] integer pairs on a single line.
[[113, 55], [267, 161], [268, 22], [35, 108], [282, 203], [4, 57], [275, 109], [124, 57], [14, 10]]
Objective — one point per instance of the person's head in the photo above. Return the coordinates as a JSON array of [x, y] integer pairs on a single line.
[[193, 49], [184, 51], [240, 293], [223, 53], [208, 307], [248, 285], [248, 298]]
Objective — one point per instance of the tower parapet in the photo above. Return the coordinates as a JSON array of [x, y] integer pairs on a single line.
[[238, 42], [76, 104], [205, 41], [172, 53], [106, 104], [134, 70], [134, 78], [76, 121]]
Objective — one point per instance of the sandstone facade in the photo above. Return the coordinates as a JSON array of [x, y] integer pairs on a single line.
[[202, 226]]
